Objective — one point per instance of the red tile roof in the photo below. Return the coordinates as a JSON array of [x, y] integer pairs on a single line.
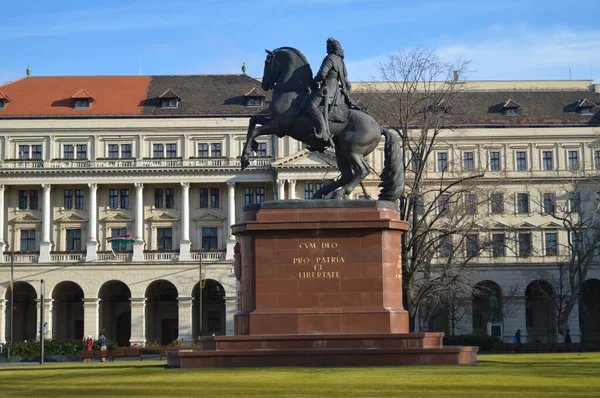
[[83, 94], [52, 95], [3, 97]]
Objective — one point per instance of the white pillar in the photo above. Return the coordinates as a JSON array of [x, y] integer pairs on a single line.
[[517, 319], [3, 316], [2, 228], [280, 189], [231, 308], [92, 244], [138, 321], [138, 246], [45, 244], [185, 244], [91, 324], [185, 318], [47, 317], [230, 219], [292, 189]]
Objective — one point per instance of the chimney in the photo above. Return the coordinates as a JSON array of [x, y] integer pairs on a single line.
[[455, 75]]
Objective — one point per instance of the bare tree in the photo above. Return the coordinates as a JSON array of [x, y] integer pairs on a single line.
[[442, 193]]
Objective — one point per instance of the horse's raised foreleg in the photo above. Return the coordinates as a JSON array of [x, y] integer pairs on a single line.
[[250, 144]]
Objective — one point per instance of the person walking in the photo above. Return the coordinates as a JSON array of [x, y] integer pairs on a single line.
[[89, 343], [103, 344]]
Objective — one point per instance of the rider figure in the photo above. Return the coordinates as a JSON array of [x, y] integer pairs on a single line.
[[333, 76]]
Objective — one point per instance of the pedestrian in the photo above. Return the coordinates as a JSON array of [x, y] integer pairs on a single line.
[[517, 337], [561, 338], [89, 343], [568, 337], [103, 343]]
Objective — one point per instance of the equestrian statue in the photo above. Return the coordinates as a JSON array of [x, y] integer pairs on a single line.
[[320, 113]]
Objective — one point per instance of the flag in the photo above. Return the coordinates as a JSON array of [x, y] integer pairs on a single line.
[[119, 239]]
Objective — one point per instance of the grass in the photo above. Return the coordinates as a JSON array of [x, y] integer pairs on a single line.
[[515, 375]]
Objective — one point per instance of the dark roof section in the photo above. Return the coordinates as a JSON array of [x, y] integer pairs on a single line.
[[486, 107], [202, 95], [169, 94]]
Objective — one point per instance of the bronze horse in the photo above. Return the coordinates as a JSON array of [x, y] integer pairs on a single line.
[[288, 74]]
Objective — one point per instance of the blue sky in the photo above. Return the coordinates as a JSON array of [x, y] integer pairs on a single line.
[[502, 39]]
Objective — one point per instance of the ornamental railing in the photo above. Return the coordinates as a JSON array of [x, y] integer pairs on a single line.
[[129, 163]]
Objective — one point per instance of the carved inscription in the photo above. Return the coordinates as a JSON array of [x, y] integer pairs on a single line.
[[317, 263]]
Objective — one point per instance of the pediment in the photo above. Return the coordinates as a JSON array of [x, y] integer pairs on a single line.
[[306, 159], [209, 216], [71, 218], [117, 217], [162, 217], [26, 218], [498, 225], [550, 225], [525, 225]]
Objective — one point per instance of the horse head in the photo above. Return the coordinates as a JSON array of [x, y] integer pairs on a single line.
[[287, 69], [272, 71]]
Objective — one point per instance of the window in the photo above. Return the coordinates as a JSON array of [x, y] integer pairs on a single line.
[[82, 104], [215, 150], [249, 196], [549, 203], [254, 195], [68, 151], [164, 238], [1, 105], [203, 150], [73, 240], [443, 204], [442, 161], [113, 198], [33, 199], [510, 112], [597, 160], [209, 238], [260, 195], [169, 198], [524, 244], [310, 189], [261, 149], [22, 200], [158, 198], [551, 243], [169, 103], [27, 240], [573, 160], [522, 203], [253, 102], [171, 150], [118, 246], [113, 151], [471, 203], [36, 151], [68, 199], [498, 246], [125, 151], [79, 199], [214, 317], [576, 242], [547, 163], [125, 198], [419, 204], [472, 245], [214, 198], [468, 161], [23, 151], [446, 248], [497, 200], [574, 201], [203, 198], [521, 161], [82, 151], [158, 151], [494, 161]]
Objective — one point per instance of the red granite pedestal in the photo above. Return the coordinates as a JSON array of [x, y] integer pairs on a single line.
[[321, 284]]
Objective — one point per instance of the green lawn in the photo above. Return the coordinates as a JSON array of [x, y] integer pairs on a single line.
[[544, 375]]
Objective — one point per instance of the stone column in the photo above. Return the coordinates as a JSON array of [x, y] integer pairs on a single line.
[[184, 243], [231, 308], [280, 189], [138, 246], [573, 324], [516, 320], [138, 321], [47, 317], [185, 318], [230, 219], [4, 315], [92, 244], [91, 324], [45, 244], [2, 245], [292, 189]]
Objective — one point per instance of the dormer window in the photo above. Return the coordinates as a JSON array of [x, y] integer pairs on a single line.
[[3, 100], [510, 108], [169, 99], [254, 97], [82, 99], [585, 107]]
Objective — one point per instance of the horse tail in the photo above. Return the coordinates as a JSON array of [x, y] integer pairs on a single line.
[[392, 176]]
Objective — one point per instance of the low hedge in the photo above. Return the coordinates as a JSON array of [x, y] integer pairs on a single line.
[[53, 347], [484, 343]]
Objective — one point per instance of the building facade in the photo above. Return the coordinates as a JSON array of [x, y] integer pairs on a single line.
[[83, 159]]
